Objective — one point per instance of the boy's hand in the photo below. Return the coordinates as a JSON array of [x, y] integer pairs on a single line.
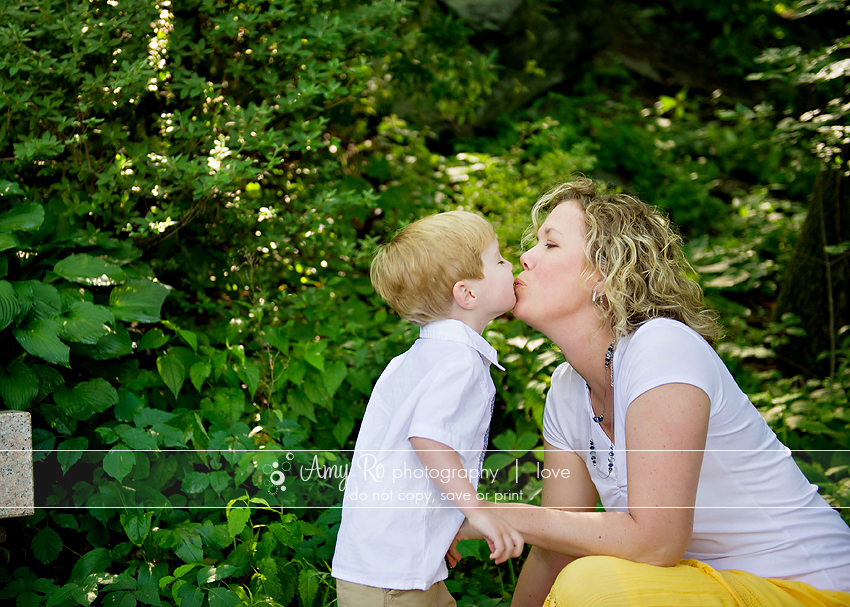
[[504, 541], [453, 555]]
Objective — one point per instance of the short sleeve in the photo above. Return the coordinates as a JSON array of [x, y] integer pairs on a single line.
[[561, 417], [665, 351], [453, 403]]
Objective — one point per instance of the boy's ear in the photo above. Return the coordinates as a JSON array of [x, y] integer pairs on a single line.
[[464, 297]]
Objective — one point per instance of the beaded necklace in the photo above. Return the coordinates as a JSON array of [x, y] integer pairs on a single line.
[[609, 366]]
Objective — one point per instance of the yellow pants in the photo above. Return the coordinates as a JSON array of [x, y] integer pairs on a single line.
[[604, 581]]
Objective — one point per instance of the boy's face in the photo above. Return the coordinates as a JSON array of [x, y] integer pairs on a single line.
[[496, 290]]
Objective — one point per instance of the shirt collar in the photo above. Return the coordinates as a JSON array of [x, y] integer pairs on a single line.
[[455, 330]]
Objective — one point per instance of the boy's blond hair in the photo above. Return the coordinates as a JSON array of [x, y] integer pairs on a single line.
[[416, 272]]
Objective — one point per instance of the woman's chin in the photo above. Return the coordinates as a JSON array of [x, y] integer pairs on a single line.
[[519, 313]]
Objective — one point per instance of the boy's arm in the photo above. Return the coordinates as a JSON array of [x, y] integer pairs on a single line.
[[504, 541]]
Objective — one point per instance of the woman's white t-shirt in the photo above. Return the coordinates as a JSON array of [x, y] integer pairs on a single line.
[[755, 511]]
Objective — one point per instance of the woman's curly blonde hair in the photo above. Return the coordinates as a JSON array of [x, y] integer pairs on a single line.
[[638, 254]]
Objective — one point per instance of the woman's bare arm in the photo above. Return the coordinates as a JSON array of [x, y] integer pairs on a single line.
[[577, 493], [666, 430]]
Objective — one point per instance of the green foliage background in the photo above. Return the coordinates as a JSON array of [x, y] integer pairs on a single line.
[[189, 198]]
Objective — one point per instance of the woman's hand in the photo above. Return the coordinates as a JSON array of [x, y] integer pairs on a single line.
[[504, 541]]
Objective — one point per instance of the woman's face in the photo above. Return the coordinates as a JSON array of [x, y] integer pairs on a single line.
[[550, 288]]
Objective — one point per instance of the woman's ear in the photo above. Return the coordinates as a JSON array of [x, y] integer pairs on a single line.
[[464, 297]]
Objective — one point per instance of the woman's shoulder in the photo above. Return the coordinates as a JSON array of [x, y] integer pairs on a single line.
[[565, 377], [666, 335], [561, 427]]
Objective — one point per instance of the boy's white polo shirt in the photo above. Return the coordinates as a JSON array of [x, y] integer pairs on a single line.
[[396, 525]]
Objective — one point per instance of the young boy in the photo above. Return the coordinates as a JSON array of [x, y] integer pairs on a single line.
[[418, 455]]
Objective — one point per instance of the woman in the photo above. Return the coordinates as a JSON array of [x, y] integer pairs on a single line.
[[645, 416]]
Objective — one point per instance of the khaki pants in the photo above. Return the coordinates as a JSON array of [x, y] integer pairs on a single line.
[[350, 594]]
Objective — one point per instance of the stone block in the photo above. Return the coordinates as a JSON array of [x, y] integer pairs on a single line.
[[16, 480]]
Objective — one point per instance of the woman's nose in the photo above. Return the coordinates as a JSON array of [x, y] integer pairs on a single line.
[[526, 260]]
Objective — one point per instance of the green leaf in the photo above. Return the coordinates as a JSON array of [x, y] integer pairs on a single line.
[[45, 299], [210, 574], [237, 518], [222, 597], [342, 428], [195, 482], [308, 586], [122, 582], [64, 520], [190, 544], [41, 338], [62, 595], [122, 598], [333, 376], [89, 270], [250, 374], [190, 337], [87, 323], [138, 439], [295, 371], [172, 371], [70, 451], [23, 289], [289, 535], [151, 417], [114, 344], [199, 372], [86, 398], [137, 526], [9, 187], [219, 480], [28, 599], [22, 218], [148, 594], [42, 443], [277, 339], [137, 300], [9, 241], [20, 387], [13, 589], [97, 393], [153, 339], [46, 545], [313, 354], [10, 305], [92, 561], [48, 380], [190, 596], [268, 574], [119, 462], [129, 404], [184, 569]]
